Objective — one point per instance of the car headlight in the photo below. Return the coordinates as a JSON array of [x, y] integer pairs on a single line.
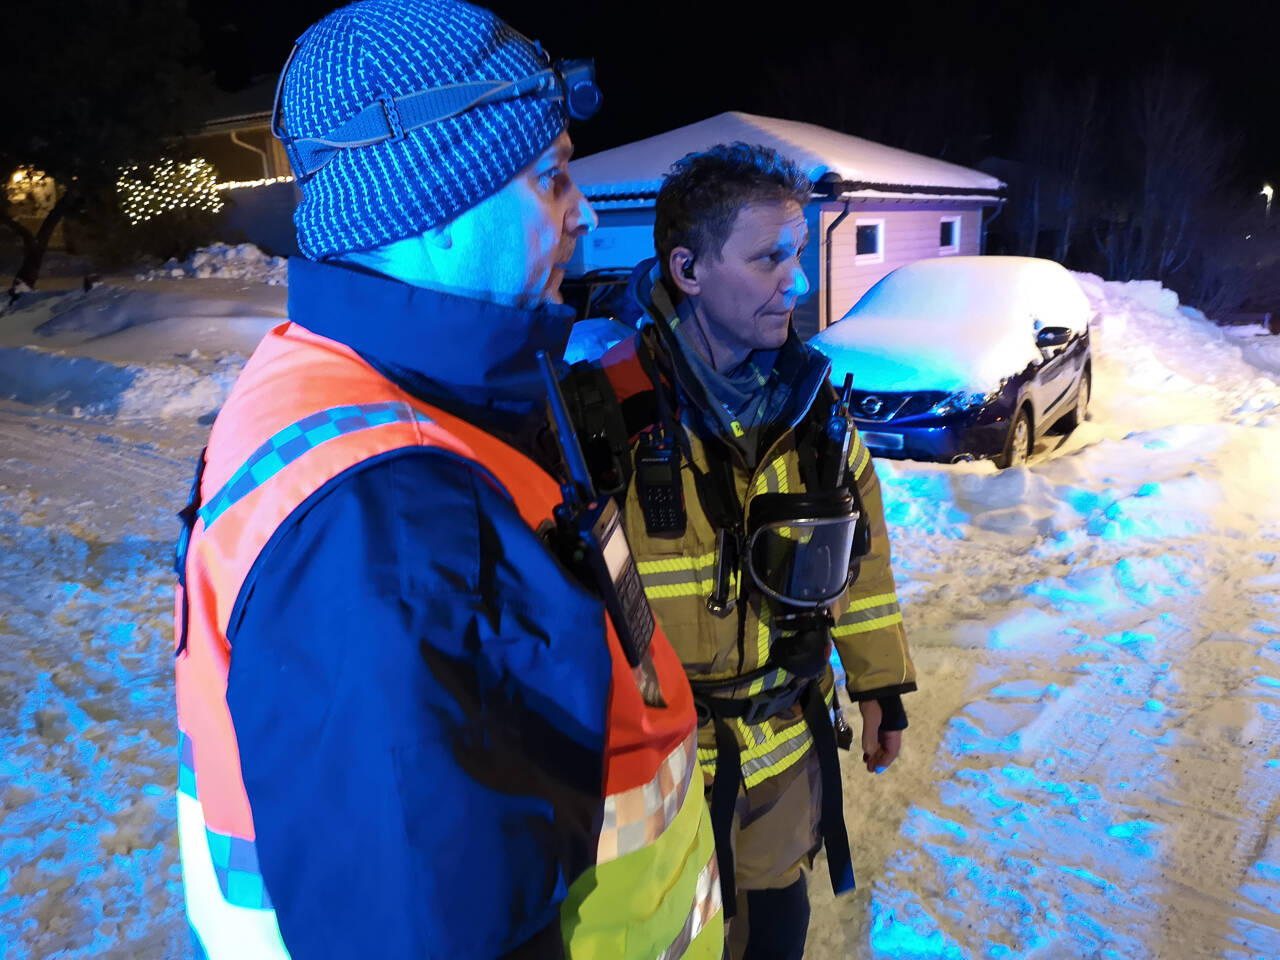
[[958, 403]]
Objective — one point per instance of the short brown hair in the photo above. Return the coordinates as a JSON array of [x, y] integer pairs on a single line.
[[701, 196]]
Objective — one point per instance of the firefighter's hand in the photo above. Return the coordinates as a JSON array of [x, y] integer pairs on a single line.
[[879, 747]]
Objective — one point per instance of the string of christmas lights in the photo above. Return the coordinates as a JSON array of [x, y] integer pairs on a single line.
[[246, 184], [168, 185]]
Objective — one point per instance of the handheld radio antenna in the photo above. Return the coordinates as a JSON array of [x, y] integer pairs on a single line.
[[580, 486], [846, 394], [840, 431]]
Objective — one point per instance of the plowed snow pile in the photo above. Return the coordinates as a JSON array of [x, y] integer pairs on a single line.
[[1093, 763]]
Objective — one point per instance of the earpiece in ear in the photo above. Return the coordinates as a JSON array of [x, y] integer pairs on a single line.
[[687, 270]]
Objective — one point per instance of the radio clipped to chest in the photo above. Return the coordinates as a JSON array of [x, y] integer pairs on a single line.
[[659, 490], [589, 540]]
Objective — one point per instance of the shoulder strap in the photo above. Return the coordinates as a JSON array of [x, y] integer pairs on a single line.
[[602, 430]]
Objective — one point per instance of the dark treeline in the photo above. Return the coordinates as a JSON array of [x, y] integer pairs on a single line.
[[1129, 177]]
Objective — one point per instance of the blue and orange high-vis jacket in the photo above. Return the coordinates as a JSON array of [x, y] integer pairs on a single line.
[[406, 731]]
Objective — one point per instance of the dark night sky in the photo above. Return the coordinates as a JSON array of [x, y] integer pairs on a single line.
[[664, 65]]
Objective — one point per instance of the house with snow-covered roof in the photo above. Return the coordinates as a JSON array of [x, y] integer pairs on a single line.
[[874, 207], [254, 179]]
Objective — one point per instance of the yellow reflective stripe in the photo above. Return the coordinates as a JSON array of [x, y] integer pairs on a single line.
[[868, 613], [867, 626], [782, 751], [707, 760], [668, 591], [675, 564], [752, 734], [855, 448], [677, 576], [866, 603], [706, 903], [764, 628], [863, 459]]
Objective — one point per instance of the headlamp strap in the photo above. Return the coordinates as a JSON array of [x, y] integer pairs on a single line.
[[392, 118]]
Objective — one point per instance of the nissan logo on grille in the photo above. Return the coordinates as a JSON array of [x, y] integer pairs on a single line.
[[872, 405]]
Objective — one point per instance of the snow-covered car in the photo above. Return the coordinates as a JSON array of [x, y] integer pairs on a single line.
[[963, 358]]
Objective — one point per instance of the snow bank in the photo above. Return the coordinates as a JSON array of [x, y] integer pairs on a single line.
[[241, 261], [159, 352], [1173, 366], [84, 386]]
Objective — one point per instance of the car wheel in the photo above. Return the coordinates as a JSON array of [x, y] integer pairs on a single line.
[[1081, 409], [1017, 446]]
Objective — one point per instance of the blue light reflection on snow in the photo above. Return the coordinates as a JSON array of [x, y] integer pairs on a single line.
[[894, 936]]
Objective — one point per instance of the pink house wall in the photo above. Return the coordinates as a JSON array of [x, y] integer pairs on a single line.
[[910, 234]]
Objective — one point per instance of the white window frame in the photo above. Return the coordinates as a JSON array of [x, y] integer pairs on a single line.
[[955, 236], [878, 256]]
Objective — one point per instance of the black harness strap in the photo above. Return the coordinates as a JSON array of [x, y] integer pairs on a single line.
[[835, 837], [724, 798], [187, 515]]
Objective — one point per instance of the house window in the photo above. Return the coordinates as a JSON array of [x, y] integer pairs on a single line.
[[870, 240], [949, 235]]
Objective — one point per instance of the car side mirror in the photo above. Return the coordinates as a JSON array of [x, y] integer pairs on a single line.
[[1052, 337]]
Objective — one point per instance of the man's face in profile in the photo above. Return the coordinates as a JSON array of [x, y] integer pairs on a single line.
[[748, 292], [522, 237]]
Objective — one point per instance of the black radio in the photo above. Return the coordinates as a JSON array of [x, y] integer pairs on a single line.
[[589, 539], [658, 486]]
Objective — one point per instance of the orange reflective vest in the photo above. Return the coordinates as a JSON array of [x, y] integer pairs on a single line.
[[305, 410]]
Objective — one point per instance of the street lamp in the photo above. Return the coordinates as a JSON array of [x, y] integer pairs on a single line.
[[1267, 192]]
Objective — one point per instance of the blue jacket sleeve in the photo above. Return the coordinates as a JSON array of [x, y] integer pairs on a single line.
[[419, 696]]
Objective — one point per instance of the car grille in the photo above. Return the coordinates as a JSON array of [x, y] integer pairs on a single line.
[[873, 405]]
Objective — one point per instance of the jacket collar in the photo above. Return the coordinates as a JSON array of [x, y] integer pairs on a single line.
[[772, 391], [479, 352]]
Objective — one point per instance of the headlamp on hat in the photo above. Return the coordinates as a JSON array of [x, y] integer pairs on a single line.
[[573, 82]]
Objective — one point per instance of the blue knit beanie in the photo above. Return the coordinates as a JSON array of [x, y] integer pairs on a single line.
[[366, 196]]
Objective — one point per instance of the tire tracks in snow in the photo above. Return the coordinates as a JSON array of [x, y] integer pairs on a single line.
[[88, 853], [1063, 821]]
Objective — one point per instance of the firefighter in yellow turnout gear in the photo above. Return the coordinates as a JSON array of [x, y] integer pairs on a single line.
[[722, 408]]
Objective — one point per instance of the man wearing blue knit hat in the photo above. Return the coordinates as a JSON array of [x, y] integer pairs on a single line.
[[408, 726]]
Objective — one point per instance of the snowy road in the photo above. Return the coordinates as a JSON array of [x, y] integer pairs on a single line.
[[1106, 784], [1093, 763], [88, 862]]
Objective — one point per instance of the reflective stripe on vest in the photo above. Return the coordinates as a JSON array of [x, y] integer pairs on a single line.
[[305, 410], [706, 905]]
